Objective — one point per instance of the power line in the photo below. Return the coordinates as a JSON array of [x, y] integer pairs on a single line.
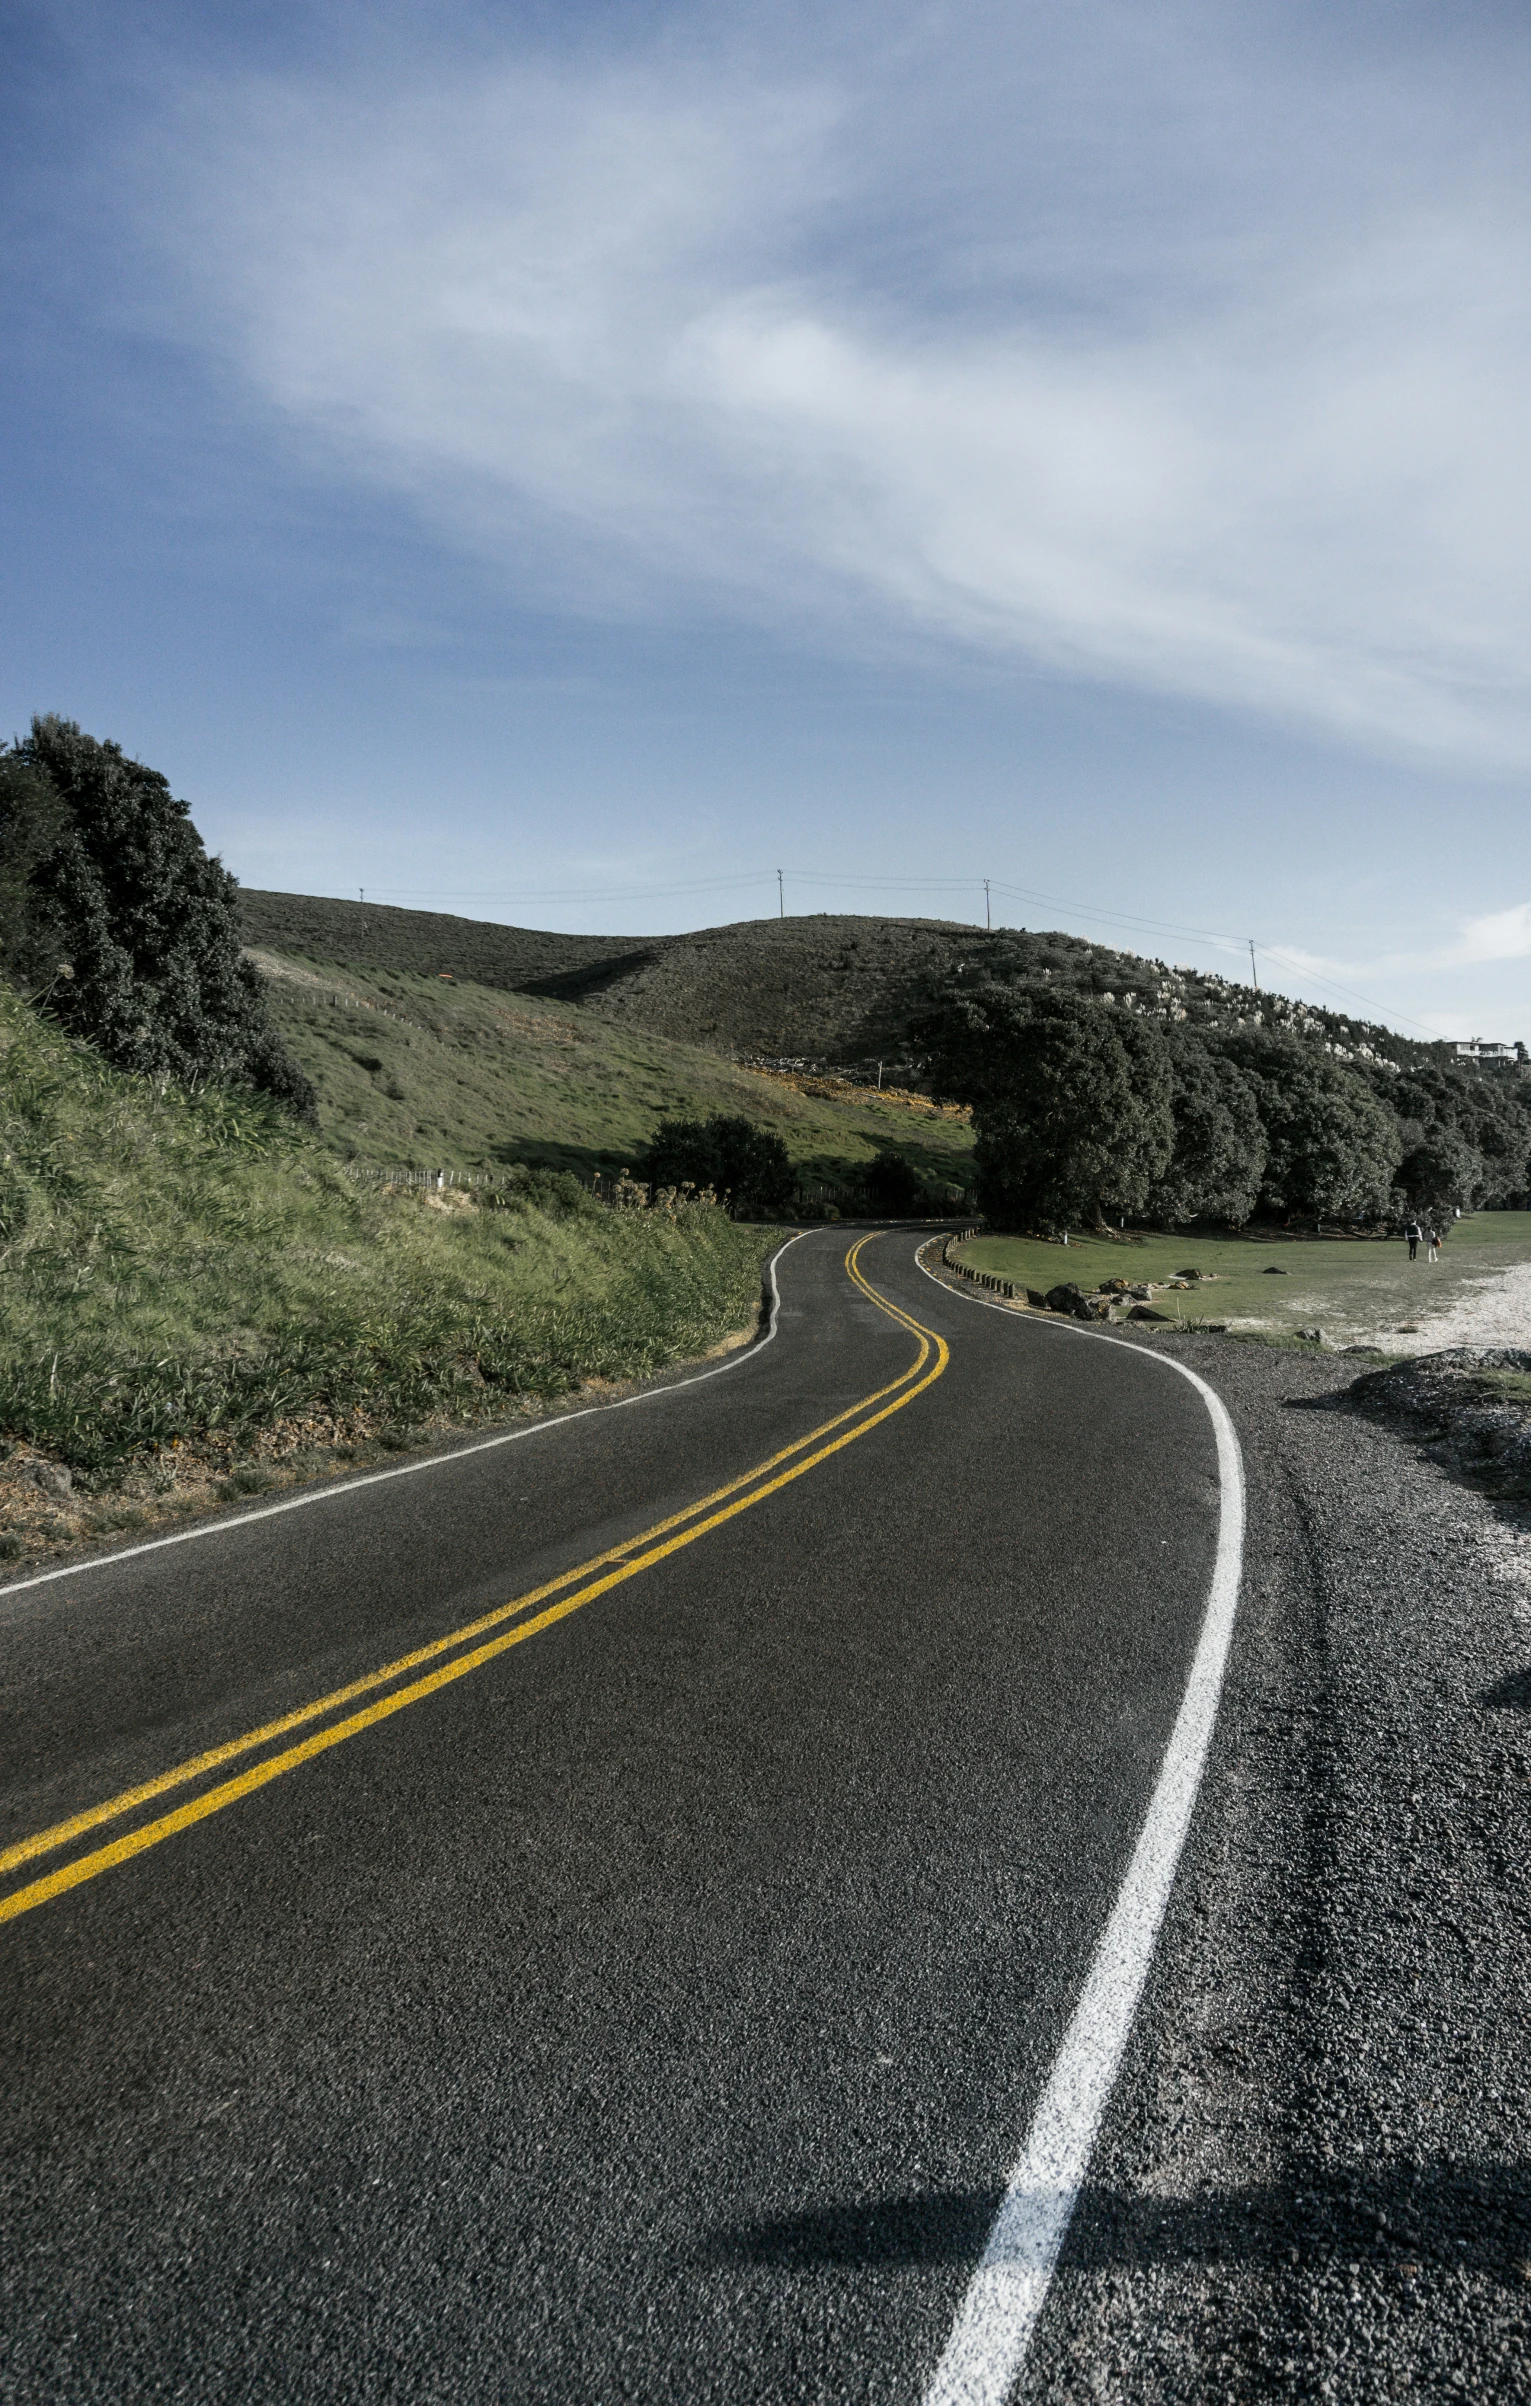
[[1135, 921]]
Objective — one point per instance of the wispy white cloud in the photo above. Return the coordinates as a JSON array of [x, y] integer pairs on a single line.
[[829, 345], [1499, 936]]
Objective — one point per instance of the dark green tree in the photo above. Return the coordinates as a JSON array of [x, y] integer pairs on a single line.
[[747, 1166], [34, 944], [121, 885], [1220, 1148], [1333, 1146], [1071, 1102], [1440, 1168], [1466, 1132], [893, 1186]]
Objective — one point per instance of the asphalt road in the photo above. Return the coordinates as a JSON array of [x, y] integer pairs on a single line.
[[653, 2009]]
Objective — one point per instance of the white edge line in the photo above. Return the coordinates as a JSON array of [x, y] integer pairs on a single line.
[[410, 1470], [998, 2316]]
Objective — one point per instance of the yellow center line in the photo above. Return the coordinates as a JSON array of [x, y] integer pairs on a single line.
[[214, 1800], [42, 1842]]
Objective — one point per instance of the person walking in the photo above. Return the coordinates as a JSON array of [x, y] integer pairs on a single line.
[[1433, 1243], [1412, 1232]]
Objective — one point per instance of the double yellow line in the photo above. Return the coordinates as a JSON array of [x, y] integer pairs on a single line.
[[459, 1652]]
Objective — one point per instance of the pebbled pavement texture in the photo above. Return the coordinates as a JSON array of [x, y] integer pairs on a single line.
[[1313, 2180]]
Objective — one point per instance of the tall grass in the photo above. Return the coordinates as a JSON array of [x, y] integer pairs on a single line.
[[174, 1265]]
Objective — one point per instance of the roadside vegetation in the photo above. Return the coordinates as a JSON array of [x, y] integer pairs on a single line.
[[194, 1289], [442, 1072], [191, 1272]]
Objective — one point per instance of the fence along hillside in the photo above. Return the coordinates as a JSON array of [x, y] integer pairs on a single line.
[[813, 1198]]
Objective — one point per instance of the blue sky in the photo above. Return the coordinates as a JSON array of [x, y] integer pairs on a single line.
[[564, 464]]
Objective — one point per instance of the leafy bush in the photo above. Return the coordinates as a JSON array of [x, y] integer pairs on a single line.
[[747, 1165], [106, 875], [556, 1192], [893, 1186]]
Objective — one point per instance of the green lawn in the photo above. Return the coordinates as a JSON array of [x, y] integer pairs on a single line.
[[414, 1071], [1355, 1290]]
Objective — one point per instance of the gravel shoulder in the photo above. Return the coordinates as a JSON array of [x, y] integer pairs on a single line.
[[1313, 2181]]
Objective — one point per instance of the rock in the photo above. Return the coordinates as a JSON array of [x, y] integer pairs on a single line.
[[1068, 1299], [1036, 1299], [1140, 1311], [1180, 1283], [1274, 1270], [1314, 1336], [1143, 1293], [1190, 1273], [53, 1478], [1115, 1286]]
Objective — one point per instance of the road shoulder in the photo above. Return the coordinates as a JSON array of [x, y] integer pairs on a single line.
[[1312, 2180]]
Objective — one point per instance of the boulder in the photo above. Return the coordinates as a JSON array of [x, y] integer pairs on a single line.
[[1115, 1286], [1036, 1299], [53, 1478], [1068, 1299], [1274, 1270], [1140, 1311], [1143, 1293]]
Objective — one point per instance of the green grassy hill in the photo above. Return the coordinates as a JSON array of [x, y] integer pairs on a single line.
[[828, 988], [366, 935], [418, 1069], [194, 1291]]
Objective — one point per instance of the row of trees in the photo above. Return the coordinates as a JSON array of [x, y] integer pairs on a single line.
[[111, 908], [1083, 1113]]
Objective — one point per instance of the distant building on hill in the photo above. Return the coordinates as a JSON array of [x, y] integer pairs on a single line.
[[1477, 1050]]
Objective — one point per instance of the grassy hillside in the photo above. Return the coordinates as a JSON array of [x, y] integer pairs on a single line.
[[190, 1282], [422, 943], [416, 1069], [828, 988]]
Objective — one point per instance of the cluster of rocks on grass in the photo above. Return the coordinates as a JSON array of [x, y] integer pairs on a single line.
[[1469, 1407], [1118, 1298]]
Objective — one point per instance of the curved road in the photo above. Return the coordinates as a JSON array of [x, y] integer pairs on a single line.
[[591, 1916]]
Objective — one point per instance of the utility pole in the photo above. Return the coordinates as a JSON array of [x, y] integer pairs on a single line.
[[988, 922], [781, 897], [361, 893], [1253, 971]]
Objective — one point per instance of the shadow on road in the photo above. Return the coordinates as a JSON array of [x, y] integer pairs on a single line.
[[1512, 1693], [1476, 2217]]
